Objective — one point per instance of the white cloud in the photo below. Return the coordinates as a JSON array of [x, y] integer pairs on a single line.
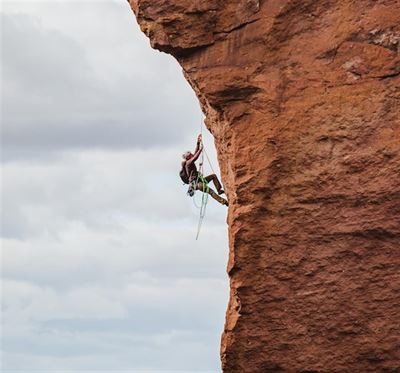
[[96, 188], [93, 257], [85, 77]]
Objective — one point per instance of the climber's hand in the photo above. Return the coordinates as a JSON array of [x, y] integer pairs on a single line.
[[199, 138]]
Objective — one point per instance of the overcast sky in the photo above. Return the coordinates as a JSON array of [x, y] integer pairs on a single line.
[[100, 267]]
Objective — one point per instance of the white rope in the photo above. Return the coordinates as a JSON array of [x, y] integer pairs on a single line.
[[204, 197], [200, 170], [209, 162], [204, 149], [204, 200]]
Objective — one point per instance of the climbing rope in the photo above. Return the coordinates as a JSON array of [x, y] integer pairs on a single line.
[[204, 150], [201, 179], [204, 200], [208, 160], [204, 183], [199, 207]]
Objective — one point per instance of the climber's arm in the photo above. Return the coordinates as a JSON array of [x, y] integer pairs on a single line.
[[197, 152], [195, 156], [199, 139]]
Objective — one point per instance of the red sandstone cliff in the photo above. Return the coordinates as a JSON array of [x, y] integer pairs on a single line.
[[303, 100]]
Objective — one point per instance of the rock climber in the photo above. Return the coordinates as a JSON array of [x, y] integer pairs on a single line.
[[190, 175]]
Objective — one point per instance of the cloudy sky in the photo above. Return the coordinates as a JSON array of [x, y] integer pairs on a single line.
[[100, 267]]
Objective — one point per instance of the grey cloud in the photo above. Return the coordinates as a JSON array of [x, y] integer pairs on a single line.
[[55, 96], [98, 189], [175, 321], [177, 351]]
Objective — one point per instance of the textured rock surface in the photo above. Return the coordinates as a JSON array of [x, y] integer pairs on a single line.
[[303, 100]]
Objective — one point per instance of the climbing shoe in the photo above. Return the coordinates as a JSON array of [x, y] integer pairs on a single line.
[[190, 191]]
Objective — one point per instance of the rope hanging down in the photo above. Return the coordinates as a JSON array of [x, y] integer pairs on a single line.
[[204, 150], [200, 178], [204, 200], [204, 183]]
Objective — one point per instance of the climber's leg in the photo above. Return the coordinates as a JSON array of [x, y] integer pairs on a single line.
[[218, 198], [216, 182], [200, 186]]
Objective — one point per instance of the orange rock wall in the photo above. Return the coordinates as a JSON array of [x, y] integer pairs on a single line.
[[303, 100]]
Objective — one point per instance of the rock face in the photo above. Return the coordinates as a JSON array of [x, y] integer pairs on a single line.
[[303, 100]]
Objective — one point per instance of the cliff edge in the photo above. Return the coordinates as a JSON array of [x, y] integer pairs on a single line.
[[303, 100]]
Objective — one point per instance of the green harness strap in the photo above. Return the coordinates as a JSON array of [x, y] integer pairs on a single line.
[[203, 180]]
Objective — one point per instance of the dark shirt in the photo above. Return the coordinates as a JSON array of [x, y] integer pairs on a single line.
[[191, 170]]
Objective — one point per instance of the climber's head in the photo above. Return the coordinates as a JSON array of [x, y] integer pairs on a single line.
[[187, 155]]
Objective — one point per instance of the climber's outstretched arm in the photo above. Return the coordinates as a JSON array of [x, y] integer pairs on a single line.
[[196, 155], [198, 144], [197, 152]]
